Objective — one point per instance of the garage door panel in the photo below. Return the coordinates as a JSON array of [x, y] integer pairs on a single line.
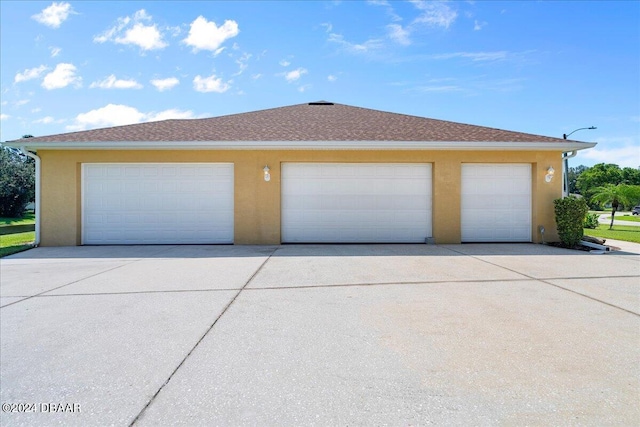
[[350, 202], [496, 203], [157, 203]]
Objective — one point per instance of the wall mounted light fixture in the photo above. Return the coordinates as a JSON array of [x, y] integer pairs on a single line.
[[541, 230], [549, 176], [267, 175]]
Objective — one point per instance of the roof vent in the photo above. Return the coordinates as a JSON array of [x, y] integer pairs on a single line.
[[321, 103]]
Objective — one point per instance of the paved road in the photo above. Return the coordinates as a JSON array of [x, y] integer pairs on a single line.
[[606, 219], [321, 335]]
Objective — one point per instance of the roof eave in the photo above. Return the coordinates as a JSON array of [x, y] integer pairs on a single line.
[[304, 145]]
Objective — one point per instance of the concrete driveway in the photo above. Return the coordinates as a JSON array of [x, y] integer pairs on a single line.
[[508, 334]]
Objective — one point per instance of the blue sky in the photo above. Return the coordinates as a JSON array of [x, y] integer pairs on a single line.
[[539, 67]]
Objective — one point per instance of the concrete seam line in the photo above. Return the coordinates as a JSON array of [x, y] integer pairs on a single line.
[[224, 310], [314, 286], [557, 286], [168, 291], [66, 284], [428, 282], [270, 288], [592, 298], [351, 285], [76, 281]]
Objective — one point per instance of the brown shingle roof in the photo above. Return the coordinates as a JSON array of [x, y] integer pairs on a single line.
[[303, 122]]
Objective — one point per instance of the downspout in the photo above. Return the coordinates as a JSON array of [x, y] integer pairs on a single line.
[[37, 160], [566, 157]]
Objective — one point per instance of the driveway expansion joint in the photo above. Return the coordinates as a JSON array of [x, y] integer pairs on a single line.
[[81, 279], [67, 284], [167, 291], [546, 282], [224, 310]]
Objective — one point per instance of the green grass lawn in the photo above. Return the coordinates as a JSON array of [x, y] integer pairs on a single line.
[[14, 243], [28, 218], [627, 233], [634, 218]]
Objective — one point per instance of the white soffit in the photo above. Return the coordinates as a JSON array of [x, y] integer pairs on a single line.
[[305, 145]]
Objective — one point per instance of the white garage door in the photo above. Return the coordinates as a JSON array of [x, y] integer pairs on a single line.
[[153, 203], [356, 202], [496, 202]]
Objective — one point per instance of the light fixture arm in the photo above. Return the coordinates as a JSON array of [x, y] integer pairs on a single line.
[[568, 134]]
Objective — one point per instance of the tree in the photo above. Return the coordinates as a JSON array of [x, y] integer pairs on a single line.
[[631, 176], [632, 193], [610, 193], [574, 173], [17, 182], [598, 176]]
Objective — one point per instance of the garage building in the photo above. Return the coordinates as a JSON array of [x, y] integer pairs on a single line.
[[311, 173]]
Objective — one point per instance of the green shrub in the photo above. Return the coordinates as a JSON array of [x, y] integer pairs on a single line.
[[570, 214], [591, 220]]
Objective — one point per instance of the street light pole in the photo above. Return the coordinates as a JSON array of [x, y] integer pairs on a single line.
[[567, 134], [566, 156]]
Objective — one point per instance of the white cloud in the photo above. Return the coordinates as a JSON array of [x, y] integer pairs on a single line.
[[110, 34], [284, 63], [398, 34], [133, 31], [54, 15], [477, 25], [175, 31], [206, 35], [165, 84], [303, 88], [435, 88], [256, 76], [119, 115], [474, 56], [332, 78], [112, 82], [389, 9], [109, 115], [147, 37], [242, 63], [36, 110], [45, 120], [626, 156], [4, 116], [210, 84], [29, 74], [434, 14], [327, 26], [21, 102], [357, 48], [431, 14], [169, 114], [63, 75], [55, 51], [294, 75]]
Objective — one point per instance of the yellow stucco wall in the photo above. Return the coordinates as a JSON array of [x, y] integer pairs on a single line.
[[257, 203]]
